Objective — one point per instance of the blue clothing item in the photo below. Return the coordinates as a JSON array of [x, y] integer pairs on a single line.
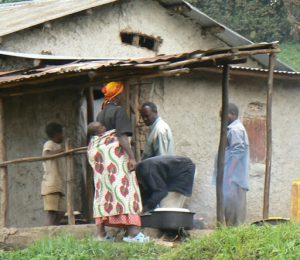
[[236, 168]]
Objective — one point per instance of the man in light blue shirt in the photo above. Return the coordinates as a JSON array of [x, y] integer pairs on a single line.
[[236, 169], [160, 140]]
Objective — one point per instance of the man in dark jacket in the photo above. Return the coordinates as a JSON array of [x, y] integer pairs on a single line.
[[165, 181]]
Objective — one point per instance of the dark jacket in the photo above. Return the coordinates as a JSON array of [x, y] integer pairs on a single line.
[[161, 174]]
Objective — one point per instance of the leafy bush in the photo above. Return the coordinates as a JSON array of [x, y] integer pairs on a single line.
[[290, 54], [258, 20]]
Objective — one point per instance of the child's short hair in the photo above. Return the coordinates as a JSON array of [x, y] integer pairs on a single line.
[[53, 128]]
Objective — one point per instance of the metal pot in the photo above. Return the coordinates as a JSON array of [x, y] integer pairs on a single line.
[[168, 219]]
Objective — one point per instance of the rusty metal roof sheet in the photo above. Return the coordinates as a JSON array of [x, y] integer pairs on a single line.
[[124, 67]]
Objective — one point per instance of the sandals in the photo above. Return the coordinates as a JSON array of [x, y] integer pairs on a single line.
[[139, 238]]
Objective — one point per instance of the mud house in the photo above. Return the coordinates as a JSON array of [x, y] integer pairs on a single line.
[[55, 55]]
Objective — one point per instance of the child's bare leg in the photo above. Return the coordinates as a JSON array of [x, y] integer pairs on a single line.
[[133, 231], [59, 216], [50, 219], [100, 231]]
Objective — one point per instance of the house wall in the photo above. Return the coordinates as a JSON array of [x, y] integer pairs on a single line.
[[25, 121], [98, 34], [191, 107]]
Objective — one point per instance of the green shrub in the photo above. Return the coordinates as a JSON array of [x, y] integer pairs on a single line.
[[255, 20], [290, 54]]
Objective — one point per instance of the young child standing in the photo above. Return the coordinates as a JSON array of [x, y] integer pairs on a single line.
[[53, 180]]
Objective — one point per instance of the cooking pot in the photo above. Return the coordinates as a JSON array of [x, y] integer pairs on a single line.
[[168, 219]]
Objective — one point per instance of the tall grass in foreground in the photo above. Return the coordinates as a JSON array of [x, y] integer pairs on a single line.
[[246, 242], [70, 248]]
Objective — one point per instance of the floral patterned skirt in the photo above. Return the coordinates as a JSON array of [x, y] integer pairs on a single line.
[[120, 220], [117, 196]]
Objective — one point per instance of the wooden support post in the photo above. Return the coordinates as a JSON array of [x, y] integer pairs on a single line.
[[127, 98], [3, 171], [90, 104], [222, 147], [272, 61], [70, 186], [134, 117], [89, 171], [137, 117]]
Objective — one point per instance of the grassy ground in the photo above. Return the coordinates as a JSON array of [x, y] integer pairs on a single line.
[[69, 248], [290, 54], [247, 242]]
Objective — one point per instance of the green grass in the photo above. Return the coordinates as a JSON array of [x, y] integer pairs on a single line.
[[290, 54], [246, 242], [70, 248]]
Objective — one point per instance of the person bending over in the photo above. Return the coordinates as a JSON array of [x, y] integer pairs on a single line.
[[165, 181]]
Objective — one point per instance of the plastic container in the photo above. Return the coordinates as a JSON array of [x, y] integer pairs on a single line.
[[295, 201]]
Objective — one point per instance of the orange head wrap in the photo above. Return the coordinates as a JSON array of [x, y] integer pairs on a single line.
[[111, 91]]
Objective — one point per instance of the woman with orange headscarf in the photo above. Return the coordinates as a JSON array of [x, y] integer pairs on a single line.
[[117, 200]]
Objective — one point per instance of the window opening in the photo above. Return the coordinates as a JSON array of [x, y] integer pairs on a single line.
[[141, 40]]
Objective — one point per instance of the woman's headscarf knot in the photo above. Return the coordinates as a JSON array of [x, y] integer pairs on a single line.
[[112, 90]]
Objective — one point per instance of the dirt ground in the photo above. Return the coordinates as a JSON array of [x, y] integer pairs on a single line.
[[15, 238]]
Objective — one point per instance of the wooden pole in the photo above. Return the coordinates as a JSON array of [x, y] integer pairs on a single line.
[[137, 117], [3, 171], [272, 60], [80, 150], [90, 104], [70, 186], [89, 171], [222, 147]]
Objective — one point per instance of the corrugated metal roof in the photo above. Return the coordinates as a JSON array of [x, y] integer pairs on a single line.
[[253, 72], [14, 18], [126, 68], [278, 72]]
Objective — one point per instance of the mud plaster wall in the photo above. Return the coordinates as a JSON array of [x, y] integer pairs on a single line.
[[191, 108], [98, 35], [26, 118]]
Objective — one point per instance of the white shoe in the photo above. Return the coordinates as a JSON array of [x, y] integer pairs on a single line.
[[139, 238]]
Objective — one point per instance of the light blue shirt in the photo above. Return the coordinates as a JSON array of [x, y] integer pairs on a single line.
[[237, 150], [160, 140]]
